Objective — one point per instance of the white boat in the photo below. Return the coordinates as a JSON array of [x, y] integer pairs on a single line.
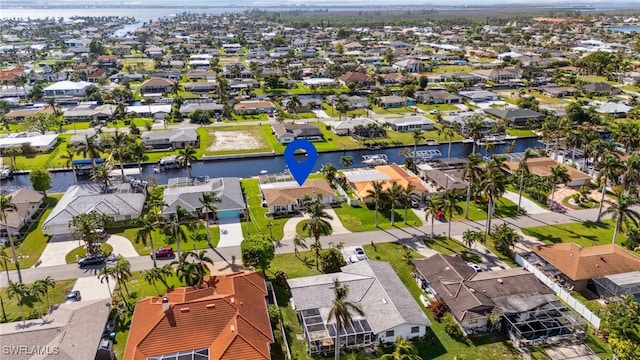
[[168, 162], [5, 173], [467, 141], [427, 155], [263, 172], [493, 139], [375, 159]]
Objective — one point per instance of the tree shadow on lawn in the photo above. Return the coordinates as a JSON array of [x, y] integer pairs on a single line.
[[431, 347], [544, 238]]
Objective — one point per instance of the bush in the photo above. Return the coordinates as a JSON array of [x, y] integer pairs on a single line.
[[451, 327], [438, 309], [281, 277], [275, 316]]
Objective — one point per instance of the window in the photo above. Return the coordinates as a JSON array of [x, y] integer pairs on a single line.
[[390, 333], [415, 329]]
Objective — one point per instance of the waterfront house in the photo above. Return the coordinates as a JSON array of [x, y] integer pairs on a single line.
[[459, 121], [224, 319], [27, 202], [360, 79], [254, 107], [411, 123], [175, 139], [122, 202], [542, 167], [350, 126], [437, 97], [66, 89], [39, 143], [157, 85], [353, 102], [286, 133], [610, 108], [288, 196], [187, 108], [19, 115], [480, 95], [90, 112], [361, 180], [393, 101], [187, 192], [516, 117], [388, 308]]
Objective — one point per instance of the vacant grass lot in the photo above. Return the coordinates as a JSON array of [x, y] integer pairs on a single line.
[[362, 219], [587, 233], [504, 208], [259, 220], [195, 239], [32, 306]]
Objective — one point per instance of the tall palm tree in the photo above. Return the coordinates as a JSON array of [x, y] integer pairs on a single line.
[[631, 174], [346, 161], [341, 105], [317, 224], [186, 157], [417, 137], [7, 205], [19, 291], [90, 147], [299, 242], [201, 258], [493, 185], [448, 133], [377, 195], [329, 171], [119, 142], [473, 126], [46, 284], [622, 213], [12, 152], [38, 289], [293, 104], [67, 156], [102, 173], [559, 175], [610, 169], [472, 172], [523, 170], [403, 350], [208, 201], [186, 270], [176, 224], [341, 311], [407, 197], [316, 247], [137, 149], [105, 275], [450, 205], [148, 223], [394, 197], [434, 206], [4, 257], [152, 276], [122, 271]]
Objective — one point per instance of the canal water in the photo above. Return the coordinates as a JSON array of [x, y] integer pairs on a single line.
[[248, 167]]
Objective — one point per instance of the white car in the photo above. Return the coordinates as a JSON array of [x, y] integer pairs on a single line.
[[475, 267], [359, 253], [353, 259]]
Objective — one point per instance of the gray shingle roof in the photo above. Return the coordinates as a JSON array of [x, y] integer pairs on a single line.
[[227, 189]]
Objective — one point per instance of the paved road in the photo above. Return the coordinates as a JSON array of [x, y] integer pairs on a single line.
[[409, 236]]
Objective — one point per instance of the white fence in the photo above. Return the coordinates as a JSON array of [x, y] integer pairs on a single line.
[[561, 293]]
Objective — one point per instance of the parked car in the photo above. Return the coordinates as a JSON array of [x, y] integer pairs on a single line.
[[165, 251], [353, 259], [95, 259], [73, 296], [475, 267], [359, 253], [414, 204]]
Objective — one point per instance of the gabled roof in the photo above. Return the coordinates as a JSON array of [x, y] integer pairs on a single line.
[[157, 82], [511, 114], [177, 135], [276, 194], [228, 316], [373, 285], [581, 263], [357, 77], [227, 189], [23, 199]]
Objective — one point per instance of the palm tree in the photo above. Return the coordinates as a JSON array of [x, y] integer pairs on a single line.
[[176, 223], [622, 213], [329, 171], [472, 172], [4, 257], [494, 185], [403, 350], [102, 173], [299, 242], [293, 104], [200, 259], [152, 276], [20, 291], [186, 157], [473, 127], [611, 167], [448, 133], [148, 223], [90, 147], [137, 149], [341, 105], [316, 247], [12, 152], [377, 195], [450, 205], [417, 137], [84, 228], [346, 161], [122, 271], [42, 286], [407, 197], [106, 273], [631, 174], [7, 205], [208, 201], [37, 289], [68, 157], [394, 196], [523, 169], [559, 175], [186, 270], [119, 142], [317, 224], [341, 311]]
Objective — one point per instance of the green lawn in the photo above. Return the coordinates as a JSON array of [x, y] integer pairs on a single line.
[[247, 117], [399, 110], [362, 219], [195, 239], [331, 111], [520, 132], [587, 233], [449, 246], [514, 188], [305, 233], [258, 214], [144, 63], [57, 295], [439, 107], [504, 208], [81, 251]]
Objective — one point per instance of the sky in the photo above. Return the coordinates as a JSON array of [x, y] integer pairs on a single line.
[[327, 2]]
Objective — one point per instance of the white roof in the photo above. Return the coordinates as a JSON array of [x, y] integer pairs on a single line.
[[145, 109], [318, 81], [35, 141], [68, 85]]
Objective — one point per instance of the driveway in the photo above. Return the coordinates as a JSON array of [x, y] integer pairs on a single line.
[[122, 246], [529, 206], [57, 249], [291, 224], [230, 232], [91, 288]]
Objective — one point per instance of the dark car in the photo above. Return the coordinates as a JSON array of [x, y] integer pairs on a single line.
[[96, 259], [73, 296], [165, 251]]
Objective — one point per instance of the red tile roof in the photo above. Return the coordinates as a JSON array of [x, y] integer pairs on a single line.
[[228, 315]]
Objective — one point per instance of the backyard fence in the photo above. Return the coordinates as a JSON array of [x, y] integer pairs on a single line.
[[561, 293]]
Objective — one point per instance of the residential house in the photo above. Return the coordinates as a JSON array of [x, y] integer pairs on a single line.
[[360, 79], [353, 102], [360, 180], [600, 89], [187, 108], [498, 75], [66, 89], [71, 331], [40, 143], [200, 87], [615, 109], [411, 123], [288, 196], [516, 117], [350, 126], [388, 309], [19, 115], [187, 192], [122, 202], [459, 121], [27, 202], [558, 91], [157, 85], [479, 95], [411, 66], [437, 97], [543, 166], [393, 101], [306, 104], [224, 319], [254, 107], [441, 180], [90, 112], [175, 139], [286, 133], [576, 265], [471, 295]]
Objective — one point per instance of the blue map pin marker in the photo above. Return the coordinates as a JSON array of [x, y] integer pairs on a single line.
[[300, 170]]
